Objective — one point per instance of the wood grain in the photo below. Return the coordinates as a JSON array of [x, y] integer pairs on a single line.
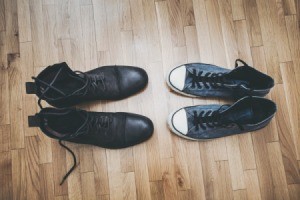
[[156, 35]]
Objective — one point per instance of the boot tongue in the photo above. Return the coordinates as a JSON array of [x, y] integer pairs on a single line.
[[62, 78]]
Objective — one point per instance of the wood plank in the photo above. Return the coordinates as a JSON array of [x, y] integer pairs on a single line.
[[100, 25], [289, 7], [24, 21], [223, 181], [63, 19], [86, 155], [29, 101], [187, 12], [152, 147], [15, 104], [243, 42], [176, 23], [168, 178], [6, 191], [151, 30], [4, 83], [129, 188], [277, 169], [88, 185], [114, 174], [292, 93], [88, 36], [156, 188], [4, 138], [125, 15], [263, 164], [285, 136], [141, 174], [59, 165], [74, 189], [238, 12], [46, 181], [209, 169], [215, 31], [240, 195], [18, 175], [161, 111], [252, 184], [11, 26], [247, 152], [2, 16], [32, 170], [101, 172], [279, 27], [202, 25], [252, 20], [269, 41], [294, 191], [37, 32], [235, 163], [229, 32], [50, 32], [5, 163]]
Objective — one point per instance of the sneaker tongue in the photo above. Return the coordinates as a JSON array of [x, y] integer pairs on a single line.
[[234, 77], [237, 82], [240, 116]]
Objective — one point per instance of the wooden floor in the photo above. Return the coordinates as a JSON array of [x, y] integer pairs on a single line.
[[156, 35]]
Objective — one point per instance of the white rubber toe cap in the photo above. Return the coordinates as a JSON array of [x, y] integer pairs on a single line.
[[177, 77], [179, 122]]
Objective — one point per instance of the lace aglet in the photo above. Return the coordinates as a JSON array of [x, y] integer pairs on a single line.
[[63, 180]]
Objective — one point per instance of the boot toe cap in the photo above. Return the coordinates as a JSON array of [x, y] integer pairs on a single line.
[[132, 80], [137, 129]]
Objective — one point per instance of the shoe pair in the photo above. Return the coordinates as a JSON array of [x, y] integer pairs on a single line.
[[61, 87], [251, 112]]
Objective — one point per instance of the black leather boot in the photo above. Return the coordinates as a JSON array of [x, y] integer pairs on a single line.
[[108, 130], [62, 87]]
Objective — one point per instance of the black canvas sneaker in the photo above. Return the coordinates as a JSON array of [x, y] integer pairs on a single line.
[[108, 130], [62, 87], [205, 122], [205, 80]]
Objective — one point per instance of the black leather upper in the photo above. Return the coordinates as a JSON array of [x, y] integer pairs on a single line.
[[62, 87], [108, 130]]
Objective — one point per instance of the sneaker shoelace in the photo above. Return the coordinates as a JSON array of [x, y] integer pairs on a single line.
[[212, 119], [210, 78], [91, 124], [91, 83]]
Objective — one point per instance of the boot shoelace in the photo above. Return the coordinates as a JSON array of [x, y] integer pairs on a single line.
[[91, 83], [94, 82], [99, 123], [210, 78], [211, 119]]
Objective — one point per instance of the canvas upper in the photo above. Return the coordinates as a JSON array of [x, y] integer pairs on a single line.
[[206, 80], [213, 121]]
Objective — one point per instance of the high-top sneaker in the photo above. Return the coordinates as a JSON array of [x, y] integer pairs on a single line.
[[205, 122], [205, 80]]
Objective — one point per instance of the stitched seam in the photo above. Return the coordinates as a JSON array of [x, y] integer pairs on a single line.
[[118, 79]]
